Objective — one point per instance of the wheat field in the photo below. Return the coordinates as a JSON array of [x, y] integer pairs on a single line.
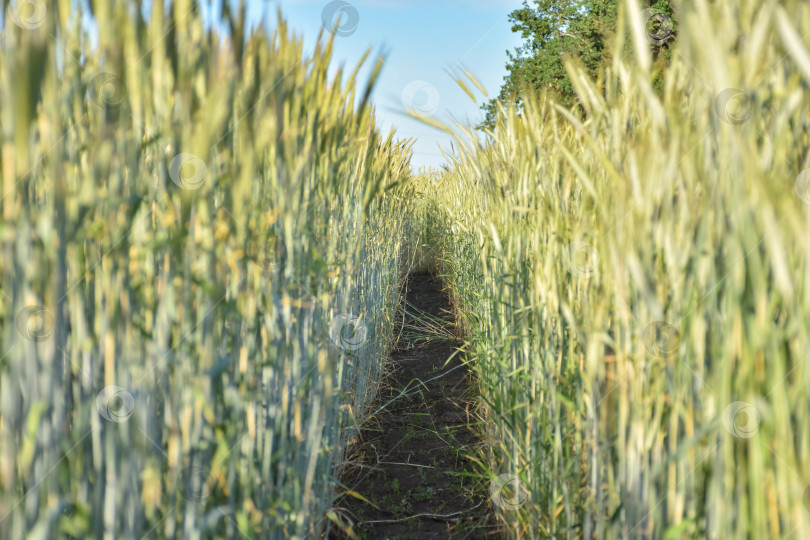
[[202, 242], [633, 275], [199, 267]]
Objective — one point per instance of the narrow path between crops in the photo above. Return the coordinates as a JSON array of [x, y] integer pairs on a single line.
[[409, 460]]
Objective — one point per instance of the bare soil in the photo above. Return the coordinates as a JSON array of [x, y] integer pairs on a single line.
[[411, 460]]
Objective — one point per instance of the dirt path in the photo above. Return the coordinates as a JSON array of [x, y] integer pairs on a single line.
[[409, 460]]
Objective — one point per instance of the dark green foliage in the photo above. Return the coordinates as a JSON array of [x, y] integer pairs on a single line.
[[555, 29]]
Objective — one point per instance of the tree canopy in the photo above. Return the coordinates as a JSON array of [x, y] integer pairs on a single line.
[[554, 29]]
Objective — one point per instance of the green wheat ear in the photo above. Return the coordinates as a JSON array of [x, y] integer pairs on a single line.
[[694, 229], [155, 378], [155, 210]]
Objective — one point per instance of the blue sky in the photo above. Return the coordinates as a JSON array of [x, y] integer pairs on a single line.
[[423, 40]]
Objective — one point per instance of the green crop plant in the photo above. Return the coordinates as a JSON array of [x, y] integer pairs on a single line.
[[632, 275], [203, 237], [201, 245]]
